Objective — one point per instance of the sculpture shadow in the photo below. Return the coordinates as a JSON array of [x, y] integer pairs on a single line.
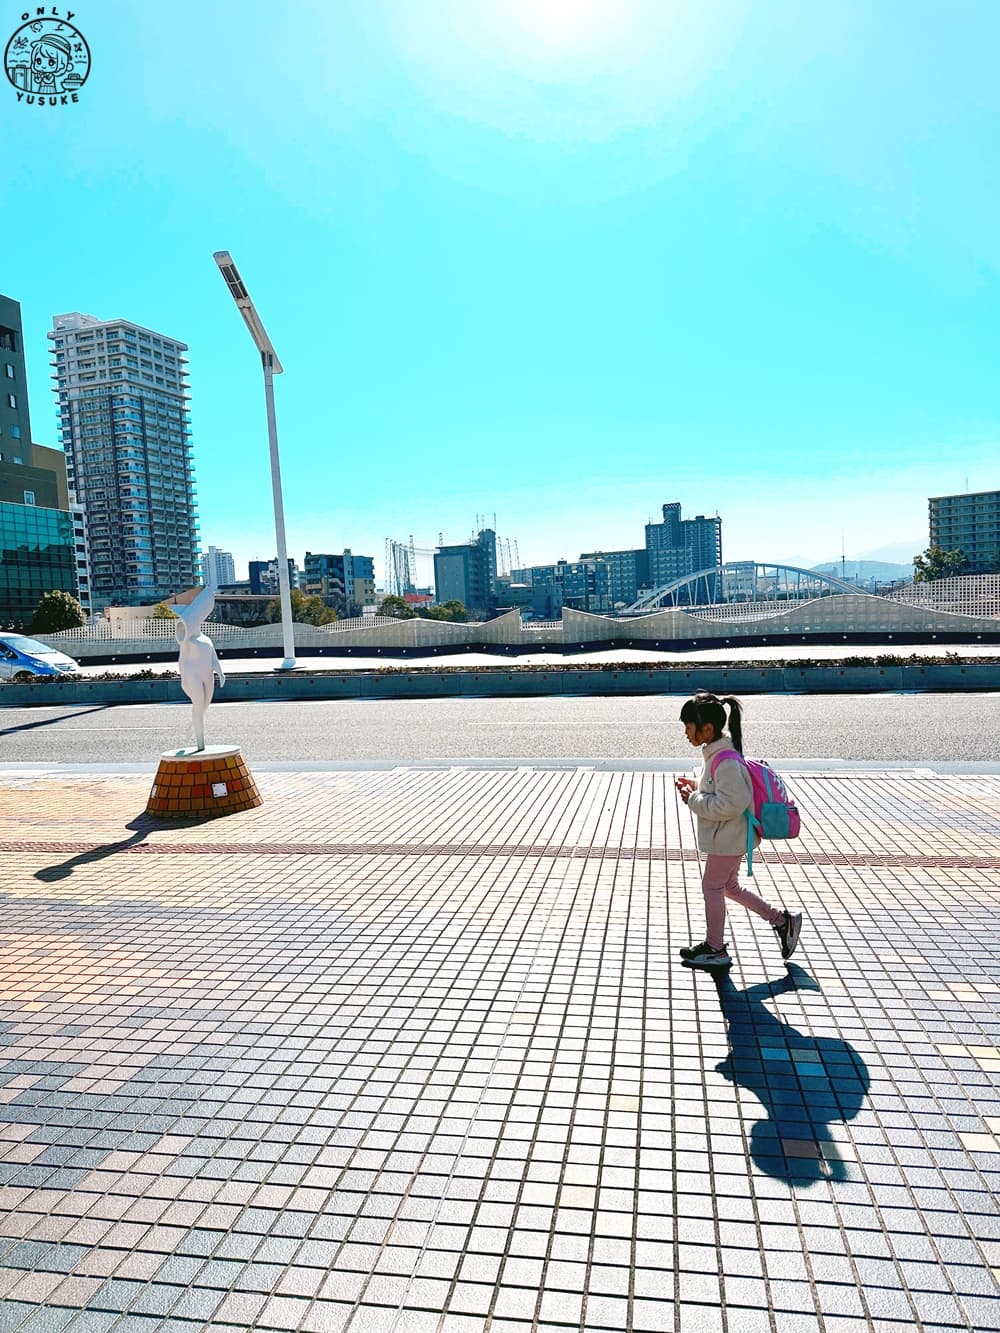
[[805, 1084], [142, 825]]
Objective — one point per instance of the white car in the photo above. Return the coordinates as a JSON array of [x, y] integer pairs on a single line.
[[21, 658]]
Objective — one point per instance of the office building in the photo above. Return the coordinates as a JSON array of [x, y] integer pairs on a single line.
[[680, 546], [217, 567], [122, 394], [37, 540], [37, 532], [15, 422], [36, 555], [467, 573], [345, 581], [970, 524]]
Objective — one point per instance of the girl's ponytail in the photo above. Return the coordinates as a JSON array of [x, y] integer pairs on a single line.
[[706, 707], [735, 721]]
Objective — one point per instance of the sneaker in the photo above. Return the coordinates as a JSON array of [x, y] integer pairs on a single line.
[[788, 933], [703, 955]]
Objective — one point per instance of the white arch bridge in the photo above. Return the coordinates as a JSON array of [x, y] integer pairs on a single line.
[[741, 590]]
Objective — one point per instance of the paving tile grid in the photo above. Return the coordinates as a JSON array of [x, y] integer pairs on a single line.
[[413, 1050]]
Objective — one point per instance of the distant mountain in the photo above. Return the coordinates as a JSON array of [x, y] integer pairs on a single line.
[[897, 551], [863, 570]]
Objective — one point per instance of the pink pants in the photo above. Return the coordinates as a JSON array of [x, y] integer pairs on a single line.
[[721, 881]]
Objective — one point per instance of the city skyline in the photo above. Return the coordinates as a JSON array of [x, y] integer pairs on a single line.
[[557, 266]]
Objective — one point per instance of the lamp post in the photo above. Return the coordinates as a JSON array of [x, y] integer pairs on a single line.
[[271, 366]]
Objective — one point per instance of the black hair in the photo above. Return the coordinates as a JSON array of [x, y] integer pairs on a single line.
[[707, 708]]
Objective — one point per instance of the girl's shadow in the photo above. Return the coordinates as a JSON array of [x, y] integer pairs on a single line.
[[805, 1084]]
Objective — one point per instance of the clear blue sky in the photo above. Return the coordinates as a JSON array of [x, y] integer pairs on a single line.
[[557, 260]]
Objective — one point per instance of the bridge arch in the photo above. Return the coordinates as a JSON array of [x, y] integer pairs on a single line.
[[742, 583]]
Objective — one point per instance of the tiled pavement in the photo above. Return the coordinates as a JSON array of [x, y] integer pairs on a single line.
[[412, 1050]]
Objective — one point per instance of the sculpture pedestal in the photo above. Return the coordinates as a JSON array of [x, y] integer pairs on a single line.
[[190, 784]]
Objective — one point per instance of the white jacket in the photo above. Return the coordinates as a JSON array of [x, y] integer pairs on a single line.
[[719, 804]]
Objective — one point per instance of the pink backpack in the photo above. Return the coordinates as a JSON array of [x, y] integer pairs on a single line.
[[773, 814]]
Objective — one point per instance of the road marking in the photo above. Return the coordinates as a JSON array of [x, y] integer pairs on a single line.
[[773, 722]]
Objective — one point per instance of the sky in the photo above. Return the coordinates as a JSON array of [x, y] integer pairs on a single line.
[[557, 261]]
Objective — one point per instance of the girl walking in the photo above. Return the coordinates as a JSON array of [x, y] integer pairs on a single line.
[[719, 804]]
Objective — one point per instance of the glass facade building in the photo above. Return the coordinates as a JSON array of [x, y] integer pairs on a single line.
[[37, 554]]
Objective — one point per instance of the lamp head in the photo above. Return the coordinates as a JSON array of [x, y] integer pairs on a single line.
[[247, 309]]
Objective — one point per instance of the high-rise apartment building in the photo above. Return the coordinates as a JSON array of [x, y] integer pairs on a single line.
[[970, 524], [217, 567], [122, 394], [680, 546]]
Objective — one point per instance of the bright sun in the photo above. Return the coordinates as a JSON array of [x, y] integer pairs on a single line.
[[559, 69], [563, 25]]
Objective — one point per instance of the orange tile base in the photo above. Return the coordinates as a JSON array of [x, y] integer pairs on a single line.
[[216, 782]]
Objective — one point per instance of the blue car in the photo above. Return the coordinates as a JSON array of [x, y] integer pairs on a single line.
[[21, 658]]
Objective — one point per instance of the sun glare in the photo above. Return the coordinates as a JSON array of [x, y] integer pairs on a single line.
[[561, 69], [564, 25]]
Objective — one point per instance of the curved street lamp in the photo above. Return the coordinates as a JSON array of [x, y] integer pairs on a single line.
[[271, 366]]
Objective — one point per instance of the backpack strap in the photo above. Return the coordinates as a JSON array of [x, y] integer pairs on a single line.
[[713, 764], [717, 759]]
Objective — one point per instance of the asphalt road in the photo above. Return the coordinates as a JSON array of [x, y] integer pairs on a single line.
[[948, 729]]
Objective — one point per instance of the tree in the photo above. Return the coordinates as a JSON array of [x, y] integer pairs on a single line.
[[397, 608], [305, 610], [452, 610], [934, 564], [163, 612], [55, 611]]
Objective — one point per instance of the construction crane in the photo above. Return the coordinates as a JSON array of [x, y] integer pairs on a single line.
[[401, 565]]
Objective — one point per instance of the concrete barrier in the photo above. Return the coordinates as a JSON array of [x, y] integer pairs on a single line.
[[494, 683]]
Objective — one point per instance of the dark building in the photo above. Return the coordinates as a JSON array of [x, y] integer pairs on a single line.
[[38, 546], [468, 573], [15, 422]]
